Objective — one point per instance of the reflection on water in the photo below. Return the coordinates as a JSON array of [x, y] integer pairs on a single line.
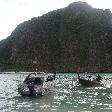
[[68, 96]]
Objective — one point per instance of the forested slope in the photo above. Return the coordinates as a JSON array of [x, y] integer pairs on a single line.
[[75, 38]]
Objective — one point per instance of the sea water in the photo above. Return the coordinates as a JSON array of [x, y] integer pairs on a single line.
[[67, 96]]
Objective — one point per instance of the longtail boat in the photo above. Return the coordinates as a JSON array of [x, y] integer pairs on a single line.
[[88, 82]]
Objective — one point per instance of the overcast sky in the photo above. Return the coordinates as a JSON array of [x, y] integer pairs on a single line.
[[14, 12]]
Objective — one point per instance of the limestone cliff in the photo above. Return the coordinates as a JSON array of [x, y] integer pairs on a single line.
[[74, 38]]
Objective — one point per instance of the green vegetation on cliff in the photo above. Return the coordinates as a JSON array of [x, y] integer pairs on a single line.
[[74, 38]]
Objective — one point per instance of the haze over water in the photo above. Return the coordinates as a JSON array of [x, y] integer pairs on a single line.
[[68, 96]]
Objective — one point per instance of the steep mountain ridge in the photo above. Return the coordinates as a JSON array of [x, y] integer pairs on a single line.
[[74, 38]]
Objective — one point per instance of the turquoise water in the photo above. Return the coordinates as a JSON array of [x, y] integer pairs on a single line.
[[68, 96]]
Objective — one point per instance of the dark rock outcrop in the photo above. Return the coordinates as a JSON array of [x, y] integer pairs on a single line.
[[75, 38]]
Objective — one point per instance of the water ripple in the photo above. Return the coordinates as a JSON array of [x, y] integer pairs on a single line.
[[68, 96]]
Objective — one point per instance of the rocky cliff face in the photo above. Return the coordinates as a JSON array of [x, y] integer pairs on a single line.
[[75, 38]]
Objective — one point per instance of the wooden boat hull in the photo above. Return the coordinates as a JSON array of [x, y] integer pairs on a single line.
[[88, 83]]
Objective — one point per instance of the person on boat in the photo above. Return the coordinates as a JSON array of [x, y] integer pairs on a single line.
[[78, 75], [51, 77], [54, 75], [31, 90], [99, 78]]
